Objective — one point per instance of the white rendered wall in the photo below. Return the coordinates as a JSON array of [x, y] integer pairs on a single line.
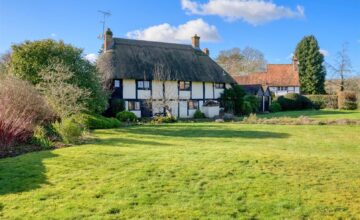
[[209, 91], [197, 90], [129, 89], [218, 93], [171, 89], [157, 89]]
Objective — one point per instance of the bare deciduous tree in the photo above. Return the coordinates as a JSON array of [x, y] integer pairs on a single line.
[[241, 62], [165, 97], [64, 98], [342, 67]]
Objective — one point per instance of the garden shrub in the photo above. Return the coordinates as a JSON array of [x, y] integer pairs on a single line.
[[232, 99], [164, 119], [254, 102], [69, 130], [293, 101], [126, 116], [275, 107], [247, 108], [21, 110], [199, 115], [324, 101], [347, 100], [41, 138], [93, 121]]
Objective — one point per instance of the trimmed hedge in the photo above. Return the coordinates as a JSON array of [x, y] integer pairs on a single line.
[[293, 101], [92, 121], [347, 100], [275, 107], [324, 101], [126, 116]]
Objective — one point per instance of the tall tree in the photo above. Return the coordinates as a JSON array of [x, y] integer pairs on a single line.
[[342, 67], [241, 62], [30, 58], [312, 72]]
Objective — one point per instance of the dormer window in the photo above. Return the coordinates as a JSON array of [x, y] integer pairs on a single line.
[[219, 85], [116, 83], [143, 84], [184, 85]]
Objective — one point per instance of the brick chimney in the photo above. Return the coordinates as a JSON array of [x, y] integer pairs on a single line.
[[295, 63], [206, 51], [108, 40], [195, 42]]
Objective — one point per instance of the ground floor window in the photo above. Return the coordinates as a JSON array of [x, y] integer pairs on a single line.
[[133, 105], [282, 88], [193, 104], [219, 85]]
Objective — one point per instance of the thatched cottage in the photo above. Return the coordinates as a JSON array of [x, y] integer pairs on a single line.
[[155, 77]]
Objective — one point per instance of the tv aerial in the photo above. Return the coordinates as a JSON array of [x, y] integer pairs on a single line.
[[105, 14]]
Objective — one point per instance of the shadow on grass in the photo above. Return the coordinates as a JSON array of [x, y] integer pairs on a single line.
[[23, 173], [190, 131]]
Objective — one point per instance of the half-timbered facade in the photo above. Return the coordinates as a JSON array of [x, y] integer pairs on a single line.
[[154, 77]]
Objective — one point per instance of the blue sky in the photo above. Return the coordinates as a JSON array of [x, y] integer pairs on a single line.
[[274, 27]]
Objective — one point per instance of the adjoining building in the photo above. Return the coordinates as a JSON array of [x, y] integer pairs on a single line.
[[279, 78]]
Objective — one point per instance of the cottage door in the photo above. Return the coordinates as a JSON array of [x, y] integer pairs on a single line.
[[146, 109]]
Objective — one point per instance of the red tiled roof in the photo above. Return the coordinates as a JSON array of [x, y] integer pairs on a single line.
[[276, 75]]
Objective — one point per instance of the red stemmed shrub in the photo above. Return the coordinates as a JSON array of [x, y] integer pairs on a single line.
[[21, 109]]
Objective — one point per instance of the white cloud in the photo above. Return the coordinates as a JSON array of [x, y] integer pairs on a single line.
[[252, 11], [91, 57], [53, 35], [324, 52], [177, 34]]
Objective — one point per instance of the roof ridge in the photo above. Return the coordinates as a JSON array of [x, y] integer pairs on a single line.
[[148, 43]]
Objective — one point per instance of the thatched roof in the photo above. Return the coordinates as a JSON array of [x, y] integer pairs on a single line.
[[136, 59]]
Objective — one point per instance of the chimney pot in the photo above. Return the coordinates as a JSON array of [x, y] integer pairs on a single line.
[[195, 42], [206, 51], [295, 63], [108, 40]]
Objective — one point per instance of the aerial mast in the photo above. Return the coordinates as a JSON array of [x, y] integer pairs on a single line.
[[105, 14]]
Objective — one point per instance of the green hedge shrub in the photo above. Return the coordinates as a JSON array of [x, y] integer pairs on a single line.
[[247, 108], [93, 121], [126, 116], [275, 107], [347, 100], [293, 101], [324, 101], [199, 115], [69, 130], [254, 102]]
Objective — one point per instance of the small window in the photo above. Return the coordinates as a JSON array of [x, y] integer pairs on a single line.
[[143, 84], [184, 85], [220, 85], [133, 106], [117, 83], [193, 104]]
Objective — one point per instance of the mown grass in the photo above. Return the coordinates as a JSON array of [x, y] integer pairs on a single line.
[[191, 171], [326, 114]]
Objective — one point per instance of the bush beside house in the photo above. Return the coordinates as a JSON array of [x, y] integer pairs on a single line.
[[347, 100], [324, 101]]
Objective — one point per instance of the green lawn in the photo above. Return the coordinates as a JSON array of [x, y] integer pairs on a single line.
[[326, 114], [191, 171]]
